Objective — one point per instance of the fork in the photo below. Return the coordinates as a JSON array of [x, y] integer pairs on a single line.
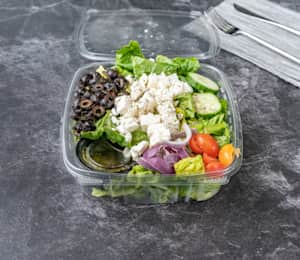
[[228, 28]]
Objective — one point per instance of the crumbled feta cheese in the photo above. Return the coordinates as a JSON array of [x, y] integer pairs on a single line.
[[132, 111], [152, 81], [114, 112], [114, 120], [151, 107], [127, 124], [158, 133], [129, 78], [147, 103], [122, 103], [149, 119], [137, 150], [138, 88]]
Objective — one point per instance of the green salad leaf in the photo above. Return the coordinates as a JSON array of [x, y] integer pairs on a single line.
[[131, 60], [216, 126], [224, 138], [199, 191], [186, 65], [138, 136], [105, 127], [96, 134], [186, 105], [145, 66], [141, 66], [163, 59], [139, 170], [124, 55], [189, 166], [112, 134]]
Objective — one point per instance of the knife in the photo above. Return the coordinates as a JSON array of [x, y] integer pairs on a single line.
[[265, 19]]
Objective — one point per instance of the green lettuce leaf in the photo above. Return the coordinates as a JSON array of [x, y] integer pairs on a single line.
[[189, 166], [105, 127], [224, 138], [113, 135], [139, 175], [164, 59], [186, 105], [96, 134], [139, 170], [186, 65], [138, 136], [199, 191], [141, 66], [124, 55], [166, 68], [131, 61], [216, 126], [145, 66]]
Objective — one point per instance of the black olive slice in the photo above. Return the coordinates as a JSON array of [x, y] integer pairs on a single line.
[[85, 103], [98, 111], [120, 83], [99, 87]]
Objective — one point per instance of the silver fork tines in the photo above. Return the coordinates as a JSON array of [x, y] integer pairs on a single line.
[[222, 24]]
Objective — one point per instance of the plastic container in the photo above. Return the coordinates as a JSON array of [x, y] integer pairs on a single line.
[[158, 32]]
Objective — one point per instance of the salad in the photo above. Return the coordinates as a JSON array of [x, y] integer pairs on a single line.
[[151, 119]]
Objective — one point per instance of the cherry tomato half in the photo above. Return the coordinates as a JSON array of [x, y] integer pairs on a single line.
[[204, 143], [208, 159], [194, 144], [227, 154], [214, 166]]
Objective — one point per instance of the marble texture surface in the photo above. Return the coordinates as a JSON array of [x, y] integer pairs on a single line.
[[43, 214]]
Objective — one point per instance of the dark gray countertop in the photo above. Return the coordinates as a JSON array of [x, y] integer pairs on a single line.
[[44, 215]]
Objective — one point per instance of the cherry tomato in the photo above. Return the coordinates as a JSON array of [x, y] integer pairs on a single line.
[[194, 144], [227, 154], [204, 143], [208, 159], [215, 166]]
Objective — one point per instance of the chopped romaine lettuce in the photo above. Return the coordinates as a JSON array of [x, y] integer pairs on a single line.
[[104, 126], [189, 166], [224, 138], [125, 54], [216, 126], [163, 59], [138, 136], [145, 66], [141, 66], [96, 134], [186, 105], [186, 65], [130, 60], [139, 170]]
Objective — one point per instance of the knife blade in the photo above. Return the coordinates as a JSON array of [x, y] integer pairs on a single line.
[[248, 12], [265, 19]]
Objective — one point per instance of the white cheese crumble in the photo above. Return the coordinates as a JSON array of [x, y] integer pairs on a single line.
[[158, 133], [150, 106], [137, 150]]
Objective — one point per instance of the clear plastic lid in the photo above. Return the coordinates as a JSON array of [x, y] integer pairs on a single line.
[[169, 33]]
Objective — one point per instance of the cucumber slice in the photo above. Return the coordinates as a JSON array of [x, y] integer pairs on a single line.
[[200, 82], [207, 104]]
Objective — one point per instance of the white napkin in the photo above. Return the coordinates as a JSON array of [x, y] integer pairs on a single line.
[[256, 53]]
